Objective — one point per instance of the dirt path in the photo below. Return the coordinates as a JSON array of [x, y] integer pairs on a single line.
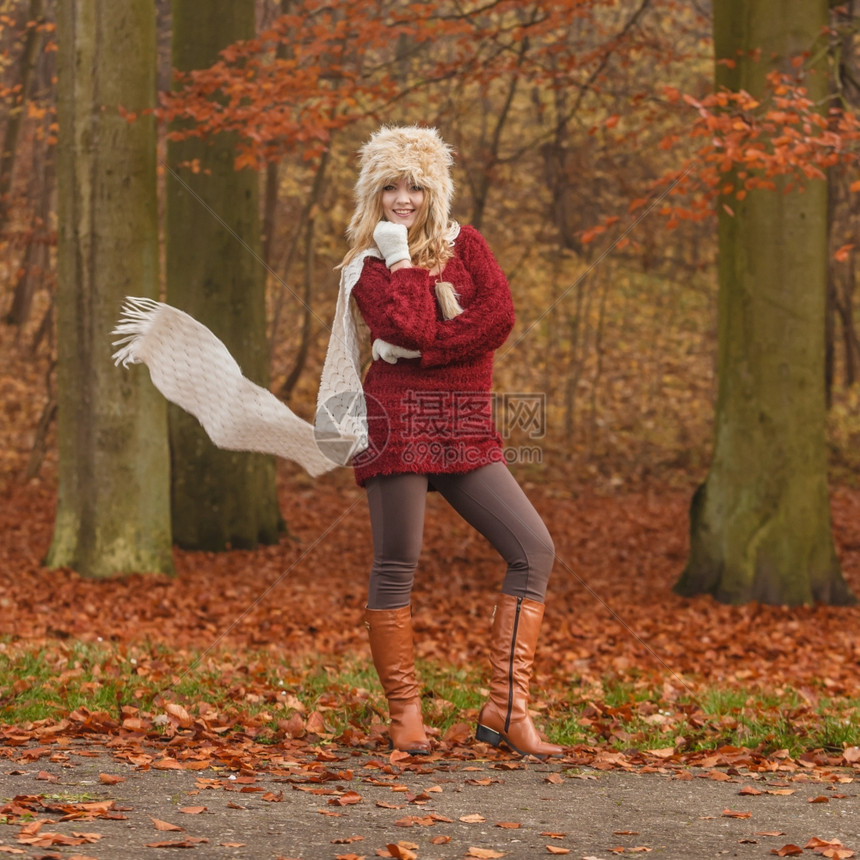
[[357, 805]]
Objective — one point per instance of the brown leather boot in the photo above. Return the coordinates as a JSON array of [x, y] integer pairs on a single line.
[[505, 717], [390, 632]]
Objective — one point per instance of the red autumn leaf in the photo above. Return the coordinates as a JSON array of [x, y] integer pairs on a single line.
[[844, 253], [273, 796], [787, 851]]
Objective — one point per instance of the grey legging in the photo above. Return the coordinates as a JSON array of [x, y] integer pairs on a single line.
[[488, 498]]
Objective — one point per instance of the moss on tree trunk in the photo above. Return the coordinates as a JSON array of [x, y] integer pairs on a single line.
[[760, 524], [113, 504]]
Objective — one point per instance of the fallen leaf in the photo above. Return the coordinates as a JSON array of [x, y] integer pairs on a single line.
[[484, 853], [474, 818], [828, 848], [556, 849], [110, 779], [346, 799], [179, 715], [165, 825], [192, 810], [719, 776], [731, 813], [664, 752], [509, 825], [787, 851]]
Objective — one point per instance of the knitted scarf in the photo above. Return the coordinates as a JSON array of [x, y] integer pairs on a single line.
[[192, 368]]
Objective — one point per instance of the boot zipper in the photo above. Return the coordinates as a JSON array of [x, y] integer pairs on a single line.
[[511, 665]]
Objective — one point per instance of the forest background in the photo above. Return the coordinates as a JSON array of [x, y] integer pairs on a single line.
[[576, 164]]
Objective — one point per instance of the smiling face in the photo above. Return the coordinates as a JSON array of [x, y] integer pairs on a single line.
[[402, 201]]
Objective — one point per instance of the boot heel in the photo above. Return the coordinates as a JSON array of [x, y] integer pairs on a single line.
[[488, 736]]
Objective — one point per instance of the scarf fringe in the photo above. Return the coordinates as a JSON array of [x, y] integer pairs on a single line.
[[136, 319]]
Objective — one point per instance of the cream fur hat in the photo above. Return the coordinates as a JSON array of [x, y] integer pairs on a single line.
[[396, 151]]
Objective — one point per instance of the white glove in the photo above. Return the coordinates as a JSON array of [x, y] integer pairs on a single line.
[[392, 240], [390, 352]]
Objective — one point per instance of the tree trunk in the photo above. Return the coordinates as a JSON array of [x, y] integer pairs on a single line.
[[112, 511], [760, 524], [15, 116], [215, 272]]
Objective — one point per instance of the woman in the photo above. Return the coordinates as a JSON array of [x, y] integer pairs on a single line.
[[438, 306]]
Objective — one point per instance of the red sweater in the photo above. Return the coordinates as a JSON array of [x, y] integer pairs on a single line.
[[435, 413]]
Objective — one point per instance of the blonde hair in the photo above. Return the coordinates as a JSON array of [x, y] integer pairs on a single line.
[[420, 156]]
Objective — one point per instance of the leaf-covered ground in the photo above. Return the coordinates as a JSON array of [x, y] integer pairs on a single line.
[[245, 658]]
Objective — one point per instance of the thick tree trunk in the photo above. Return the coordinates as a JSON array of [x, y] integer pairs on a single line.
[[113, 510], [215, 272], [760, 525]]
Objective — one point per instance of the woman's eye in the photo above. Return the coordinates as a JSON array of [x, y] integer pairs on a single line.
[[416, 188]]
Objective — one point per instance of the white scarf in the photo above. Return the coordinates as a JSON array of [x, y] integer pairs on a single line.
[[192, 368]]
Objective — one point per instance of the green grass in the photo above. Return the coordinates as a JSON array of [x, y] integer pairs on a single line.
[[50, 683]]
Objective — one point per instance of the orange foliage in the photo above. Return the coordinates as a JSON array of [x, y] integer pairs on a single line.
[[747, 144]]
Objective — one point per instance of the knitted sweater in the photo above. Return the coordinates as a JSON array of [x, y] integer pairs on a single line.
[[435, 413]]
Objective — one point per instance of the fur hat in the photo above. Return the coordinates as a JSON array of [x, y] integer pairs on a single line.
[[392, 153]]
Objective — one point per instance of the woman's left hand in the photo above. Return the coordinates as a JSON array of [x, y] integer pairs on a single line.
[[390, 352]]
